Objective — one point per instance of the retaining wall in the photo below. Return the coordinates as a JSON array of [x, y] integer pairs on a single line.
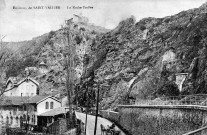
[[162, 120], [110, 115]]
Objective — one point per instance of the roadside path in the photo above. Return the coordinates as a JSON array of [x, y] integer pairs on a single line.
[[91, 123]]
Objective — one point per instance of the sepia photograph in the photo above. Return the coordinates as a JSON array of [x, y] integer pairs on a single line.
[[103, 67]]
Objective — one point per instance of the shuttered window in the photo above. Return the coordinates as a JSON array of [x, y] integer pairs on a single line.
[[46, 105], [51, 105]]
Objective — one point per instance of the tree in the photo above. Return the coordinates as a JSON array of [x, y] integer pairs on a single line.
[[85, 95], [168, 89]]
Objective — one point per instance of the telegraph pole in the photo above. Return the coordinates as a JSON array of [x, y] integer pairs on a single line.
[[97, 100], [86, 110]]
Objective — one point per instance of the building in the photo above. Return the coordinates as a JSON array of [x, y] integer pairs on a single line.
[[46, 118], [45, 103], [12, 111], [25, 87], [16, 110], [43, 68]]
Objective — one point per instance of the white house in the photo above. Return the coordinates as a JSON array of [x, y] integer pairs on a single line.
[[16, 110], [47, 104], [12, 111], [25, 87]]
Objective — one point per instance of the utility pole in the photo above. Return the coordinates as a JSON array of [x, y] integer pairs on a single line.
[[97, 100], [86, 110], [69, 69]]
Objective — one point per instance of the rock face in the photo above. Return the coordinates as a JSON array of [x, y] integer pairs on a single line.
[[144, 56], [134, 60], [46, 54]]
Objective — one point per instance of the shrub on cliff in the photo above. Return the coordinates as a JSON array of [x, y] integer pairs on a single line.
[[168, 89], [142, 27]]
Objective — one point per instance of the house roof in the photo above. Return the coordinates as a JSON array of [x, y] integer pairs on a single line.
[[39, 98], [26, 79], [47, 98], [18, 100], [16, 83], [14, 100], [36, 98], [56, 111]]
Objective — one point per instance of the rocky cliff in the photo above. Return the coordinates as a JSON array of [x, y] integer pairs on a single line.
[[134, 60], [142, 59]]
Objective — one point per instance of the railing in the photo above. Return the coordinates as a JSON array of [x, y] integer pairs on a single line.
[[199, 99], [202, 130]]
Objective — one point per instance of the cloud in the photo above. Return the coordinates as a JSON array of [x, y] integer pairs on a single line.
[[2, 4], [25, 24]]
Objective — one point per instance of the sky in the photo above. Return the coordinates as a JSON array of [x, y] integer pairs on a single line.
[[24, 24]]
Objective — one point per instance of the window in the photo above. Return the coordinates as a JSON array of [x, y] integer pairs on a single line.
[[34, 119], [46, 105], [7, 120], [11, 122], [24, 117], [17, 120], [28, 118], [51, 105], [2, 119]]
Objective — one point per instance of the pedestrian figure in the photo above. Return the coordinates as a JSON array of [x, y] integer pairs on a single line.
[[103, 130]]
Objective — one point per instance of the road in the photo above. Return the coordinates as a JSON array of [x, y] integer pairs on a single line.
[[91, 123]]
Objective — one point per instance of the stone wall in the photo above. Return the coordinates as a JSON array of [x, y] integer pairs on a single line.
[[162, 120], [71, 132], [58, 127], [110, 115]]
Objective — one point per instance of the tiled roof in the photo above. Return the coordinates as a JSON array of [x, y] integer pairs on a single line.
[[36, 98], [14, 100], [14, 81], [56, 111], [18, 100]]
